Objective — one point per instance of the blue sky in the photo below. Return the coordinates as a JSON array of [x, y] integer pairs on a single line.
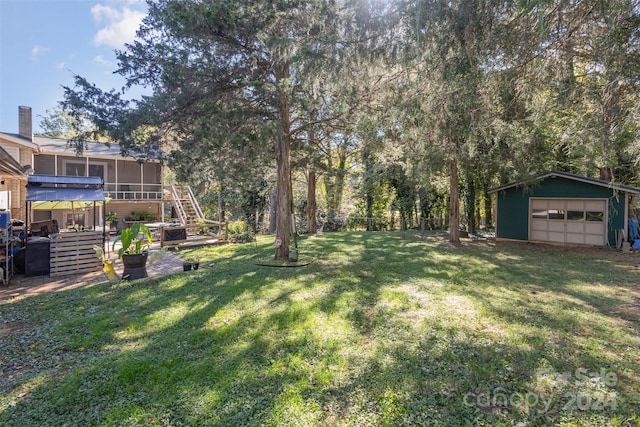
[[43, 43]]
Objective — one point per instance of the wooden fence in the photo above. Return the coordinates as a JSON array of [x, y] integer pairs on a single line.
[[73, 253]]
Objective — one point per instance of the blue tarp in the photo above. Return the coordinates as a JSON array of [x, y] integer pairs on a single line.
[[633, 228], [48, 188], [42, 194], [63, 180]]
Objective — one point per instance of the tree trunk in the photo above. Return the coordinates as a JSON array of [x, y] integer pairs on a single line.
[[368, 185], [312, 224], [284, 196], [334, 185], [273, 202], [221, 212], [470, 203], [454, 205], [283, 167], [488, 206]]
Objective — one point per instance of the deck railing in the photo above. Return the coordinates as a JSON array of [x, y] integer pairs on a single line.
[[133, 191]]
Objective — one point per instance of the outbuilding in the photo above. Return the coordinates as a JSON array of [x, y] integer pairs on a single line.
[[560, 207]]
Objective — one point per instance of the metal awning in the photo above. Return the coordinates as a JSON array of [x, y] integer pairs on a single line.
[[64, 188], [62, 194], [68, 189]]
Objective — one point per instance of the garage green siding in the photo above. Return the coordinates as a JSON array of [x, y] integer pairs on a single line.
[[513, 204], [513, 214]]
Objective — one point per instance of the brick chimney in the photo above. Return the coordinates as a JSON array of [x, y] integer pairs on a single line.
[[25, 127]]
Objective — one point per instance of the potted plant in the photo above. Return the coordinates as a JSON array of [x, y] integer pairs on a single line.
[[190, 264], [134, 251], [112, 219]]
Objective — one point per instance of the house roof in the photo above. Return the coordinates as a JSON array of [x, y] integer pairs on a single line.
[[92, 149], [9, 165], [571, 176], [47, 145], [18, 139]]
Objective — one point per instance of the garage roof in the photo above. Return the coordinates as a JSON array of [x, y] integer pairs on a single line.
[[580, 178]]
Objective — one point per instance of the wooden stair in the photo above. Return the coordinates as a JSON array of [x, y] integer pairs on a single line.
[[188, 209]]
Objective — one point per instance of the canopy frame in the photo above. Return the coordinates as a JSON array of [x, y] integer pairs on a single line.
[[53, 188]]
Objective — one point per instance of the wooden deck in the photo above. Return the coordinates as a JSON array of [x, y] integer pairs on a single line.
[[176, 235]]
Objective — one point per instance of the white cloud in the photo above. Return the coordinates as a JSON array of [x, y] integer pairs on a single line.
[[60, 65], [118, 23], [36, 51], [101, 61]]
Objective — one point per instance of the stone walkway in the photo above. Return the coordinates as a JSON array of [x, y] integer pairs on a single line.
[[20, 285]]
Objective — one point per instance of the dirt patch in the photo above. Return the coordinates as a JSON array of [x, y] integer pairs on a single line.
[[629, 311], [7, 328]]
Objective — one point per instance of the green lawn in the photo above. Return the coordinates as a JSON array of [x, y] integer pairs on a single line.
[[380, 329]]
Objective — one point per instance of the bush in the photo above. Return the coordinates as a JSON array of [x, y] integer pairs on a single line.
[[237, 227], [243, 237], [141, 216]]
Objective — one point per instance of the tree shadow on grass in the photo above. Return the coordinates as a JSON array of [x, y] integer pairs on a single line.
[[358, 338]]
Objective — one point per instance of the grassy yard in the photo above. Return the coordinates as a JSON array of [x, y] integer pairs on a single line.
[[381, 329]]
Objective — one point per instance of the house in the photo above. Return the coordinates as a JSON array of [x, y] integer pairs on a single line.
[[130, 186], [560, 207]]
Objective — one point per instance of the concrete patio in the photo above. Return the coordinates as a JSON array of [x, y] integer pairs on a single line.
[[20, 285]]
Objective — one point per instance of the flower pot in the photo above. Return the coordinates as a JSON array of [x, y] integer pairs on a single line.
[[186, 266], [135, 266], [196, 265]]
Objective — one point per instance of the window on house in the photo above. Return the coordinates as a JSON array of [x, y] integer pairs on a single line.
[[79, 169], [74, 169], [96, 170], [79, 219]]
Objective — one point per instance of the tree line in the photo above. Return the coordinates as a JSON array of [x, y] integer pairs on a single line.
[[359, 107]]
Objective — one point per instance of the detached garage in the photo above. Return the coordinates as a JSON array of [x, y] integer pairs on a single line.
[[560, 207]]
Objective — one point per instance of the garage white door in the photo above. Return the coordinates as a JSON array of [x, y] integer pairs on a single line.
[[575, 221]]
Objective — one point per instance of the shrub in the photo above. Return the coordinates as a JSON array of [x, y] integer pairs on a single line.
[[141, 216], [243, 237], [237, 227]]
